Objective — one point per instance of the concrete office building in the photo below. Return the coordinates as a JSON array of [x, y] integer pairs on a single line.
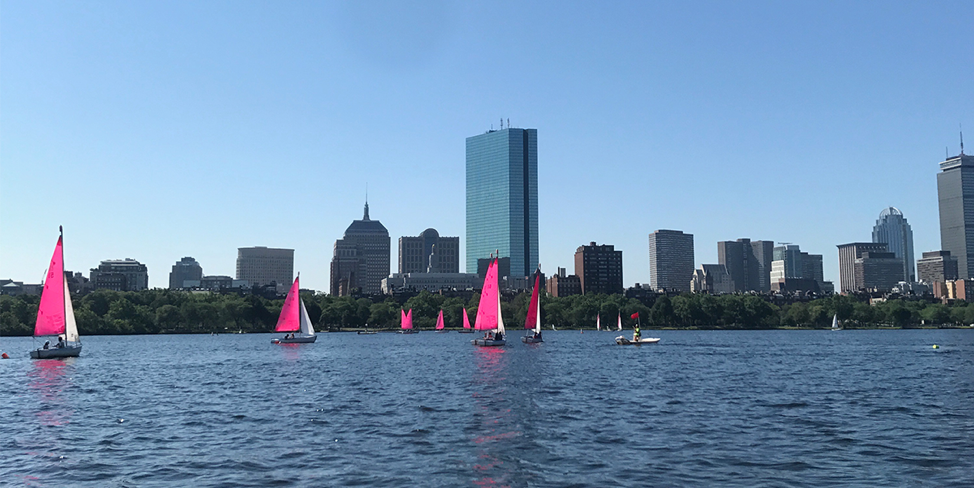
[[361, 258], [747, 262], [265, 265], [184, 269], [429, 253], [851, 278], [599, 267], [893, 229], [563, 285], [879, 271], [713, 279], [937, 267], [502, 198], [671, 260], [955, 190], [120, 275]]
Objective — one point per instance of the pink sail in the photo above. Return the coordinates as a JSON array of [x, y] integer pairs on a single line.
[[407, 319], [466, 321], [531, 321], [439, 321], [50, 313], [489, 307], [290, 319]]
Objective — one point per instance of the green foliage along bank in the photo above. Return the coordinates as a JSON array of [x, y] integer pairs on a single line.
[[167, 311]]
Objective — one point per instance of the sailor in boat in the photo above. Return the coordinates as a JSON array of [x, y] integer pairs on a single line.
[[636, 334], [537, 335], [60, 342], [47, 344]]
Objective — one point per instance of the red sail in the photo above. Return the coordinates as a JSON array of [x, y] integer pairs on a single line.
[[531, 322], [489, 307], [50, 313], [290, 319]]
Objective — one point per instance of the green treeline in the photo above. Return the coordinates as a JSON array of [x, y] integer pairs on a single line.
[[167, 311]]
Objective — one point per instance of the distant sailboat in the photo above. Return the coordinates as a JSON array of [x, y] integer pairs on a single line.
[[466, 324], [489, 311], [294, 318], [55, 314], [533, 319], [439, 322], [598, 322], [407, 323], [636, 338], [620, 322], [835, 322]]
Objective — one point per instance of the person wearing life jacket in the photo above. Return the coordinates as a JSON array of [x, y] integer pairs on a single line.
[[635, 334]]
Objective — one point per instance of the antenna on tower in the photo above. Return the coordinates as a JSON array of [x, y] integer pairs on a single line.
[[508, 123], [502, 123], [961, 139]]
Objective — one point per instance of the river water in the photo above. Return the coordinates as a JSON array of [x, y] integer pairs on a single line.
[[701, 408]]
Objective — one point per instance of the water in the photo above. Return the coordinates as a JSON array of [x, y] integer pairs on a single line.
[[701, 408]]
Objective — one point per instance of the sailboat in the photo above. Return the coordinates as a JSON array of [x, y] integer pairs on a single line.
[[598, 322], [294, 318], [55, 315], [835, 322], [407, 323], [466, 323], [533, 320], [489, 310], [440, 326], [620, 322]]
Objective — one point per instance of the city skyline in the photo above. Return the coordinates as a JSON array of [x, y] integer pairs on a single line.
[[204, 117]]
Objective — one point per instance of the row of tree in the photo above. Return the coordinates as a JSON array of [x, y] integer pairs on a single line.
[[167, 311]]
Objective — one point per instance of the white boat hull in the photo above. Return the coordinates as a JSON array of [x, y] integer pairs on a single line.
[[531, 339], [488, 342], [622, 341], [56, 352], [408, 331], [366, 332], [296, 340]]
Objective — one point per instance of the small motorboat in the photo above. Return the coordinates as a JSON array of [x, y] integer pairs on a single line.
[[622, 341]]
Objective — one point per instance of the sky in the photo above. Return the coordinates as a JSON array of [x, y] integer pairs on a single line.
[[155, 130]]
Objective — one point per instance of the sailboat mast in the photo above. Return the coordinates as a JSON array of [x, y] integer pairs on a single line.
[[67, 295]]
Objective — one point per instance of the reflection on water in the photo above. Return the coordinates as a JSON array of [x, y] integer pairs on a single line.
[[494, 419], [47, 380]]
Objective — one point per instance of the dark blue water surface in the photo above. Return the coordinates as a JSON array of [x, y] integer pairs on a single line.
[[701, 408]]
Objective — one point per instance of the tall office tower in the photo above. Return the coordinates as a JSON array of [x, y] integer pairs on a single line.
[[748, 263], [600, 268], [502, 198], [848, 254], [429, 253], [670, 260], [361, 258], [120, 275], [937, 267], [184, 269], [264, 265], [893, 229], [812, 268], [955, 189]]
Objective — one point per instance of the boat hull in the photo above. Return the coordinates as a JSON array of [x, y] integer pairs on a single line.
[[622, 341], [408, 331], [465, 331], [531, 339], [54, 353], [488, 342], [296, 340], [366, 332]]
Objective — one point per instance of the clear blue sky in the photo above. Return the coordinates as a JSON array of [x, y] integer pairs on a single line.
[[157, 130]]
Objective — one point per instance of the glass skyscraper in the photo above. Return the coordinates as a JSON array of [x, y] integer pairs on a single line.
[[502, 198], [893, 229]]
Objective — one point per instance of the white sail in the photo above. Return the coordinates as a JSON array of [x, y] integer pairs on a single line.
[[835, 321], [620, 322], [537, 321], [70, 326], [598, 322], [500, 316], [306, 327]]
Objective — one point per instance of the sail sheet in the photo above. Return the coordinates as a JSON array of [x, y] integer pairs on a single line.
[[534, 315], [439, 321], [306, 327], [407, 319], [466, 320], [290, 318], [51, 312], [488, 311]]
